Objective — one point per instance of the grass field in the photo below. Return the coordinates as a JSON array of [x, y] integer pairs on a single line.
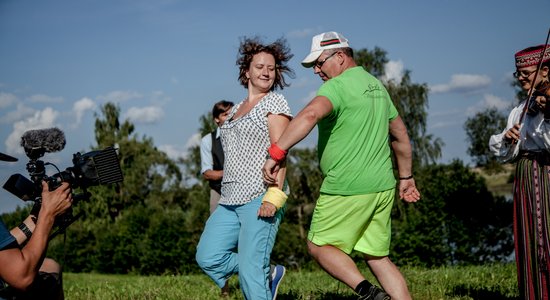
[[473, 282]]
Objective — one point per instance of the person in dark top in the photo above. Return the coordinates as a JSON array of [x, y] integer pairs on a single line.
[[212, 153]]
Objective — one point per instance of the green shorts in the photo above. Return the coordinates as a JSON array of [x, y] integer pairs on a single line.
[[358, 222]]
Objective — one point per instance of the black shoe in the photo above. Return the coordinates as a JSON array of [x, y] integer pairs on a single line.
[[375, 293], [225, 290]]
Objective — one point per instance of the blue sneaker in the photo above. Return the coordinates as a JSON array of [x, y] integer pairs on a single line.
[[277, 274]]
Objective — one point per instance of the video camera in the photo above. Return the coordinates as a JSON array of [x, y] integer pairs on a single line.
[[89, 169]]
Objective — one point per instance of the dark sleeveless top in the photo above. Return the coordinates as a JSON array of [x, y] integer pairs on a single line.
[[217, 158]]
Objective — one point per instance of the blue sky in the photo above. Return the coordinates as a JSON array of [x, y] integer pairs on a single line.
[[165, 62]]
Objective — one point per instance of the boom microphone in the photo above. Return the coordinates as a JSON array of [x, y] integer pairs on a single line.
[[36, 142]]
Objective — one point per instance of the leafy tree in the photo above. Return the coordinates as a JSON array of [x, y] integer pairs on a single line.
[[192, 163], [479, 129], [305, 178], [109, 237], [458, 222], [199, 190], [14, 218], [147, 171], [373, 61]]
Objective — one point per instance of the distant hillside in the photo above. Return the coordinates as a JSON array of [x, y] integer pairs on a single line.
[[499, 183]]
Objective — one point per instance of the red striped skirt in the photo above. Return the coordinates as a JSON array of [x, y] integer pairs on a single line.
[[532, 227]]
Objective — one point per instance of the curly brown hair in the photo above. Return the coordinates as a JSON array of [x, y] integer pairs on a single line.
[[280, 51]]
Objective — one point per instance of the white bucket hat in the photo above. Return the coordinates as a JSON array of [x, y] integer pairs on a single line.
[[322, 42]]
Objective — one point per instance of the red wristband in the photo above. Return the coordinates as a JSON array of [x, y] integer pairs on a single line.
[[276, 153]]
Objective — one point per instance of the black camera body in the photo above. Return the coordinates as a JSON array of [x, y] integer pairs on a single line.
[[89, 169]]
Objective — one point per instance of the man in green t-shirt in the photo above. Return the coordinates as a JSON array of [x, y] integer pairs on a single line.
[[357, 123]]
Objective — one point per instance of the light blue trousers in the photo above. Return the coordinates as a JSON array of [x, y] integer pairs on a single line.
[[238, 227]]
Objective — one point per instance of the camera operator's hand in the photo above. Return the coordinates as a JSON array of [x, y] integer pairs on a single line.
[[56, 202]]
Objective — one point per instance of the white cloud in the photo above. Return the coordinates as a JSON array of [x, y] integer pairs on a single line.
[[172, 151], [194, 140], [7, 99], [41, 98], [21, 112], [393, 71], [462, 83], [119, 96], [160, 98], [39, 120], [80, 107], [144, 115], [446, 113], [175, 152], [495, 101], [489, 101], [444, 124]]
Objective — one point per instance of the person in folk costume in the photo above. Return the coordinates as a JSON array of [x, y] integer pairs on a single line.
[[527, 143]]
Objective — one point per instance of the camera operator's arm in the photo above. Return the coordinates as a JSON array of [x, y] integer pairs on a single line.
[[20, 266], [22, 232]]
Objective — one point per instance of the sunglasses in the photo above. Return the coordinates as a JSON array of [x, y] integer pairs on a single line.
[[319, 64]]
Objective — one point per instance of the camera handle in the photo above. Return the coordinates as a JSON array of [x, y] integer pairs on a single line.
[[67, 218], [67, 221]]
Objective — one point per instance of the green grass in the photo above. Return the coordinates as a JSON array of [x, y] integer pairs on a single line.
[[473, 282]]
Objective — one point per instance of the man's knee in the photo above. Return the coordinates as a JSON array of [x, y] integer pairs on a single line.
[[312, 249], [376, 261]]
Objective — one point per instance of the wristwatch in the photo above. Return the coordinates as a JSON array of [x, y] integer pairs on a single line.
[[25, 230]]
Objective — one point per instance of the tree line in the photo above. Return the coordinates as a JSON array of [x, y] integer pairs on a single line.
[[151, 222]]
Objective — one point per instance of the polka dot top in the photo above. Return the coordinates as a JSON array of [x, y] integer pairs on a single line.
[[245, 142]]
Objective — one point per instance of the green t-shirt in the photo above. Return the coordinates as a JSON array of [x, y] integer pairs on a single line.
[[354, 150]]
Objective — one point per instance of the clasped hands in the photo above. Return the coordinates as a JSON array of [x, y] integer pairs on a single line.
[[269, 171]]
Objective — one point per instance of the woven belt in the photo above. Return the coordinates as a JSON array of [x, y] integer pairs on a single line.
[[542, 157]]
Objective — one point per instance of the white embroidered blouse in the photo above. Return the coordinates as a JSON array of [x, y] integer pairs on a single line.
[[534, 132]]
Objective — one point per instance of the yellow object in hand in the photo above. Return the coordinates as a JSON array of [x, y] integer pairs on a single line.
[[275, 196]]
